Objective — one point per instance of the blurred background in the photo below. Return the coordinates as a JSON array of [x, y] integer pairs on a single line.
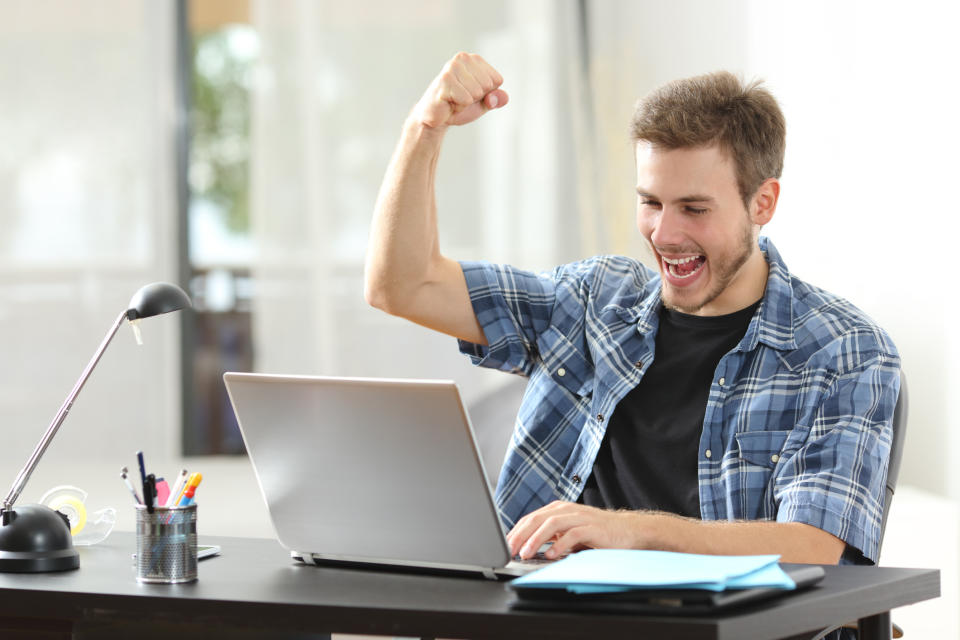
[[236, 147]]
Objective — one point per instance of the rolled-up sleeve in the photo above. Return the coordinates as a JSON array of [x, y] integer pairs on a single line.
[[513, 307], [836, 480]]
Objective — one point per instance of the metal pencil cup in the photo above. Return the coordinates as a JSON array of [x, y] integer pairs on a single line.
[[167, 544]]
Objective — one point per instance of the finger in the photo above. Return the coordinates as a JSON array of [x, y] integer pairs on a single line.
[[452, 91], [475, 86], [485, 72], [552, 527], [529, 523], [496, 99], [573, 539]]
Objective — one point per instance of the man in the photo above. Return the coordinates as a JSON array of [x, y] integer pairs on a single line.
[[717, 405]]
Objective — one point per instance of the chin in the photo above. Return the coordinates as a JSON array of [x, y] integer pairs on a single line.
[[687, 301]]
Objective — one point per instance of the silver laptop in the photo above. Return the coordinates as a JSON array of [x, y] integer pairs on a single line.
[[371, 471]]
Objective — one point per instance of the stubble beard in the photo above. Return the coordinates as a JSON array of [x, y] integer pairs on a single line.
[[724, 271]]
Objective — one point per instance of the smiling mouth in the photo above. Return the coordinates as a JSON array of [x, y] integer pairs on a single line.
[[684, 267]]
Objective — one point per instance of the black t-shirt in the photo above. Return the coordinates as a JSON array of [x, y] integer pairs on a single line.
[[648, 457]]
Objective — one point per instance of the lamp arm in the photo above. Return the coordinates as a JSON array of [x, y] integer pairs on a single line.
[[27, 471]]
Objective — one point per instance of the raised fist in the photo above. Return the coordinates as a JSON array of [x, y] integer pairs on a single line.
[[466, 88]]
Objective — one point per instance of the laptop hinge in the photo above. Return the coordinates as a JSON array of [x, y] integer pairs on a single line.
[[307, 558], [489, 574]]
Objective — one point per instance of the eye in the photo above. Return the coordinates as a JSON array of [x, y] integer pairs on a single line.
[[649, 203], [695, 210]]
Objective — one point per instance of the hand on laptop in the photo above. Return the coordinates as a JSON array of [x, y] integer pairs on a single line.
[[572, 527]]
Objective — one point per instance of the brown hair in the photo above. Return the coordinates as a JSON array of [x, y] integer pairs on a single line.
[[717, 108]]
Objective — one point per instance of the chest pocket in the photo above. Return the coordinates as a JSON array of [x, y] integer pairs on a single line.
[[567, 365], [759, 454], [762, 448]]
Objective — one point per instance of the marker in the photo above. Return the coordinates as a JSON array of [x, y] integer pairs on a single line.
[[126, 480], [150, 492], [177, 488], [163, 492], [190, 490]]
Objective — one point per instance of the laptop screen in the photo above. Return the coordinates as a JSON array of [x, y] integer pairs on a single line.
[[363, 469]]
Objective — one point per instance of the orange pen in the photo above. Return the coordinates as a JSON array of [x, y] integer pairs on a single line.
[[190, 486]]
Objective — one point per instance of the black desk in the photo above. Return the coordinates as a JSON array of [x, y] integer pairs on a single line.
[[254, 588]]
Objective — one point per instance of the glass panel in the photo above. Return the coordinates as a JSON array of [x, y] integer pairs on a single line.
[[223, 55]]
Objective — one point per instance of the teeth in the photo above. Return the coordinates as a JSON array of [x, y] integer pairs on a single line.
[[681, 260], [674, 273]]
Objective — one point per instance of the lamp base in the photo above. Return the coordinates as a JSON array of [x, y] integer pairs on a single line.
[[35, 539]]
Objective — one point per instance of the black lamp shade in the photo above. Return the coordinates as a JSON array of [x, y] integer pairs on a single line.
[[154, 299]]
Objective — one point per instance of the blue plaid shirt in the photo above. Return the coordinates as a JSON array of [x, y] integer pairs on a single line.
[[798, 418]]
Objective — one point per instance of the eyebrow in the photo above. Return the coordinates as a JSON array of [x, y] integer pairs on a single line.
[[696, 197]]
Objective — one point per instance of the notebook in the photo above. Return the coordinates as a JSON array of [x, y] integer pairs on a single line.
[[365, 471]]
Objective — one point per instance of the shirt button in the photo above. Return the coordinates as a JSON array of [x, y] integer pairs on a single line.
[[599, 417], [774, 458], [708, 453], [721, 381], [561, 372], [638, 364], [576, 479]]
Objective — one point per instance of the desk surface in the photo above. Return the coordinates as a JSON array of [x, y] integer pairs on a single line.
[[254, 583]]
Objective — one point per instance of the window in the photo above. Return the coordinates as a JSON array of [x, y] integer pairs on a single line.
[[222, 51]]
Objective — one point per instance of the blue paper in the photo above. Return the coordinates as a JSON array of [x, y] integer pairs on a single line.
[[611, 570]]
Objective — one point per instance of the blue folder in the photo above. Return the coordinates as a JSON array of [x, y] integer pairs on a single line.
[[641, 582], [613, 570]]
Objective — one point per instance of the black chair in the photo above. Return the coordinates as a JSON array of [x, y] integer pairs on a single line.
[[896, 450]]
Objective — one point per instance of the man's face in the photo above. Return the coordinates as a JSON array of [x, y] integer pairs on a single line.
[[690, 211]]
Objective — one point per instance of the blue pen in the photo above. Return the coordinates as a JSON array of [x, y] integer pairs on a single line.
[[143, 470]]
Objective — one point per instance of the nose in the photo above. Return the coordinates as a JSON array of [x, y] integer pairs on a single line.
[[667, 229]]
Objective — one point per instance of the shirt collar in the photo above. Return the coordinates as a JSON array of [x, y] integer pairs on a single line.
[[773, 323]]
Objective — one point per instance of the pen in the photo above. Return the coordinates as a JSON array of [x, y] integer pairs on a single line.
[[143, 470], [194, 479], [177, 488], [126, 480], [190, 490]]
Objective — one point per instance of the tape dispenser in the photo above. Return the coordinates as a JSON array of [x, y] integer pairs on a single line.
[[86, 528]]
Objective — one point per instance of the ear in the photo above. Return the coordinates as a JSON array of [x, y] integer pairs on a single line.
[[764, 201]]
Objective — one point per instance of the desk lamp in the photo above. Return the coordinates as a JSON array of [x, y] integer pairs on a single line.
[[33, 537]]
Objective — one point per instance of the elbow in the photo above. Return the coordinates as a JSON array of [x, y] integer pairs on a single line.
[[382, 294], [375, 295]]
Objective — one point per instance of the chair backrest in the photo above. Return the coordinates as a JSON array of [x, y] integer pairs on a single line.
[[493, 416], [896, 450]]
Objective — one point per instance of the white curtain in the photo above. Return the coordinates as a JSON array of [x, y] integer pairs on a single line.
[[88, 214], [334, 84]]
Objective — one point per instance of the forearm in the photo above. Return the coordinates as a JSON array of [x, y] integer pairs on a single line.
[[793, 541], [403, 236], [574, 526], [405, 273]]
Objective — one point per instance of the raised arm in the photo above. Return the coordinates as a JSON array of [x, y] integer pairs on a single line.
[[406, 275]]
